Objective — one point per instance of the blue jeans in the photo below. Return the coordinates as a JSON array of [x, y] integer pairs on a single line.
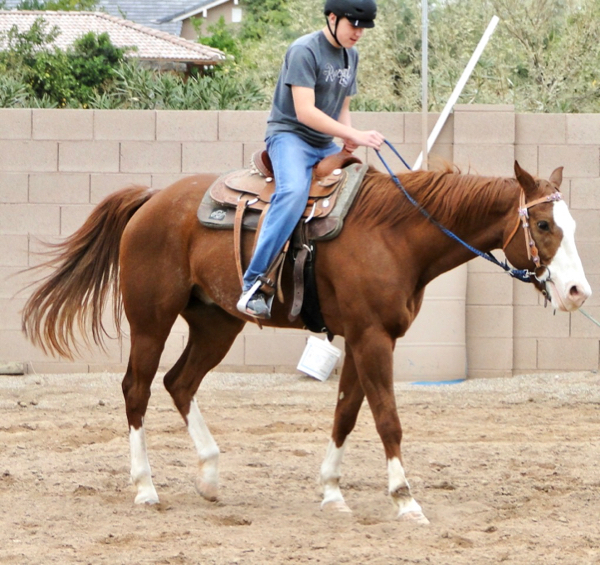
[[293, 160]]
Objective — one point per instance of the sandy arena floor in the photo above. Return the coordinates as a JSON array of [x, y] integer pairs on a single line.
[[507, 471]]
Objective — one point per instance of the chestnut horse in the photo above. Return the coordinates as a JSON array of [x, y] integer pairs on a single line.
[[148, 251]]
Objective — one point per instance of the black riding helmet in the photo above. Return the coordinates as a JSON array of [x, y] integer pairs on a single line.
[[361, 13]]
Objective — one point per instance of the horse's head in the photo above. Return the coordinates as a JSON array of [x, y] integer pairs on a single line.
[[546, 243]]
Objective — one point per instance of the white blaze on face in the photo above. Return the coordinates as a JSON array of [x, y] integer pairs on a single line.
[[569, 287]]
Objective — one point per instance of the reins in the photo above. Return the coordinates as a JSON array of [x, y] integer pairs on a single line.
[[523, 275]]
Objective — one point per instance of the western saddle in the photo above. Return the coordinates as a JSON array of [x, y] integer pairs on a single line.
[[249, 193]]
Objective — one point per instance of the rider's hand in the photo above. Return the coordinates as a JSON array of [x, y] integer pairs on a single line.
[[369, 138], [349, 146]]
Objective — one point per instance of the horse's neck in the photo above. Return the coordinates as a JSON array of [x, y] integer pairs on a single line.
[[485, 232]]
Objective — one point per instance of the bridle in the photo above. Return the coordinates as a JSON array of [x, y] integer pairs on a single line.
[[540, 272]]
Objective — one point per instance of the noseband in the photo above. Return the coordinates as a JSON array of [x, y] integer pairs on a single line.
[[541, 272]]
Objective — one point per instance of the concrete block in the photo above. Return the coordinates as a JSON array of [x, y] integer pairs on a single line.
[[173, 350], [15, 123], [413, 134], [73, 217], [29, 218], [242, 126], [101, 185], [236, 354], [490, 354], [279, 349], [29, 156], [489, 374], [588, 252], [11, 312], [212, 157], [160, 181], [497, 128], [62, 124], [568, 355], [487, 160], [537, 322], [481, 265], [419, 363], [389, 124], [579, 160], [585, 193], [525, 354], [526, 294], [489, 288], [584, 327], [249, 149], [541, 129], [125, 125], [147, 157], [527, 156], [583, 129], [13, 281], [15, 347], [13, 188], [88, 156], [594, 280], [495, 108], [187, 125], [439, 323], [408, 152], [68, 188], [14, 250], [588, 225], [489, 321]]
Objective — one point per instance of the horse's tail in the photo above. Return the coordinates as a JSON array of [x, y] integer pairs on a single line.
[[85, 270]]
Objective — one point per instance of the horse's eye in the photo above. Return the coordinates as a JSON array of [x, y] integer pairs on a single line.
[[543, 225]]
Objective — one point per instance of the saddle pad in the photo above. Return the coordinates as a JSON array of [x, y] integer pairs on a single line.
[[217, 216]]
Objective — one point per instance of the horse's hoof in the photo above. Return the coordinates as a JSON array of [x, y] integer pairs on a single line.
[[208, 491], [146, 498], [336, 506], [414, 517]]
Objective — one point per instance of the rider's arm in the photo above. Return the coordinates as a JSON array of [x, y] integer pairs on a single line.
[[308, 114]]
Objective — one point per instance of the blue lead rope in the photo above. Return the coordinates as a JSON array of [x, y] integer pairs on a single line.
[[520, 274]]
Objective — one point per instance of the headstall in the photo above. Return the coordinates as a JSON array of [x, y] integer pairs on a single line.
[[541, 272]]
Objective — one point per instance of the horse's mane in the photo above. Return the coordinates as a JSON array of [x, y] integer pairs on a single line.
[[451, 197]]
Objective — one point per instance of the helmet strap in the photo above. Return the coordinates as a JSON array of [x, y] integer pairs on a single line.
[[333, 33]]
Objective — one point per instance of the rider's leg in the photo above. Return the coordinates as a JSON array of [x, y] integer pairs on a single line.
[[292, 159]]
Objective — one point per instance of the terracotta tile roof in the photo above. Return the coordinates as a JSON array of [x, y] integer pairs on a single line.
[[145, 12], [152, 45]]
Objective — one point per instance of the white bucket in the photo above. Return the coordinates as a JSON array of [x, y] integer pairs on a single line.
[[319, 358]]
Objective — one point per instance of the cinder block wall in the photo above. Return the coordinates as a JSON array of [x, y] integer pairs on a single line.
[[56, 165]]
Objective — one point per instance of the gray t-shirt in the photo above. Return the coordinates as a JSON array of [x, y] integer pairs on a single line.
[[313, 62]]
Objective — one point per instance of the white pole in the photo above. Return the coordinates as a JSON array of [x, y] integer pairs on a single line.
[[458, 89], [424, 73]]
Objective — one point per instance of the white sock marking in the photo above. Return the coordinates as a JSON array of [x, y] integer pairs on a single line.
[[331, 472], [140, 467]]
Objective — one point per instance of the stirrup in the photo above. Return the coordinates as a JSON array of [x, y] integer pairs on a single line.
[[248, 295]]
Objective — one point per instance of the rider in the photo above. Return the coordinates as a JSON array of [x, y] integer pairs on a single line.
[[311, 106]]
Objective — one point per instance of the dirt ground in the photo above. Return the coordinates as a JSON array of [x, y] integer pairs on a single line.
[[506, 470]]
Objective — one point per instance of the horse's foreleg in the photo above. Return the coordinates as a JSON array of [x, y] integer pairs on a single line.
[[373, 356], [350, 397]]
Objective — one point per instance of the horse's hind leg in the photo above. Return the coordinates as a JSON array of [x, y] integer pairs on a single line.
[[143, 364], [350, 398], [212, 332]]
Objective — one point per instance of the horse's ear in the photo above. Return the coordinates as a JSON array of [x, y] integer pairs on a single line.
[[524, 179], [556, 177]]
